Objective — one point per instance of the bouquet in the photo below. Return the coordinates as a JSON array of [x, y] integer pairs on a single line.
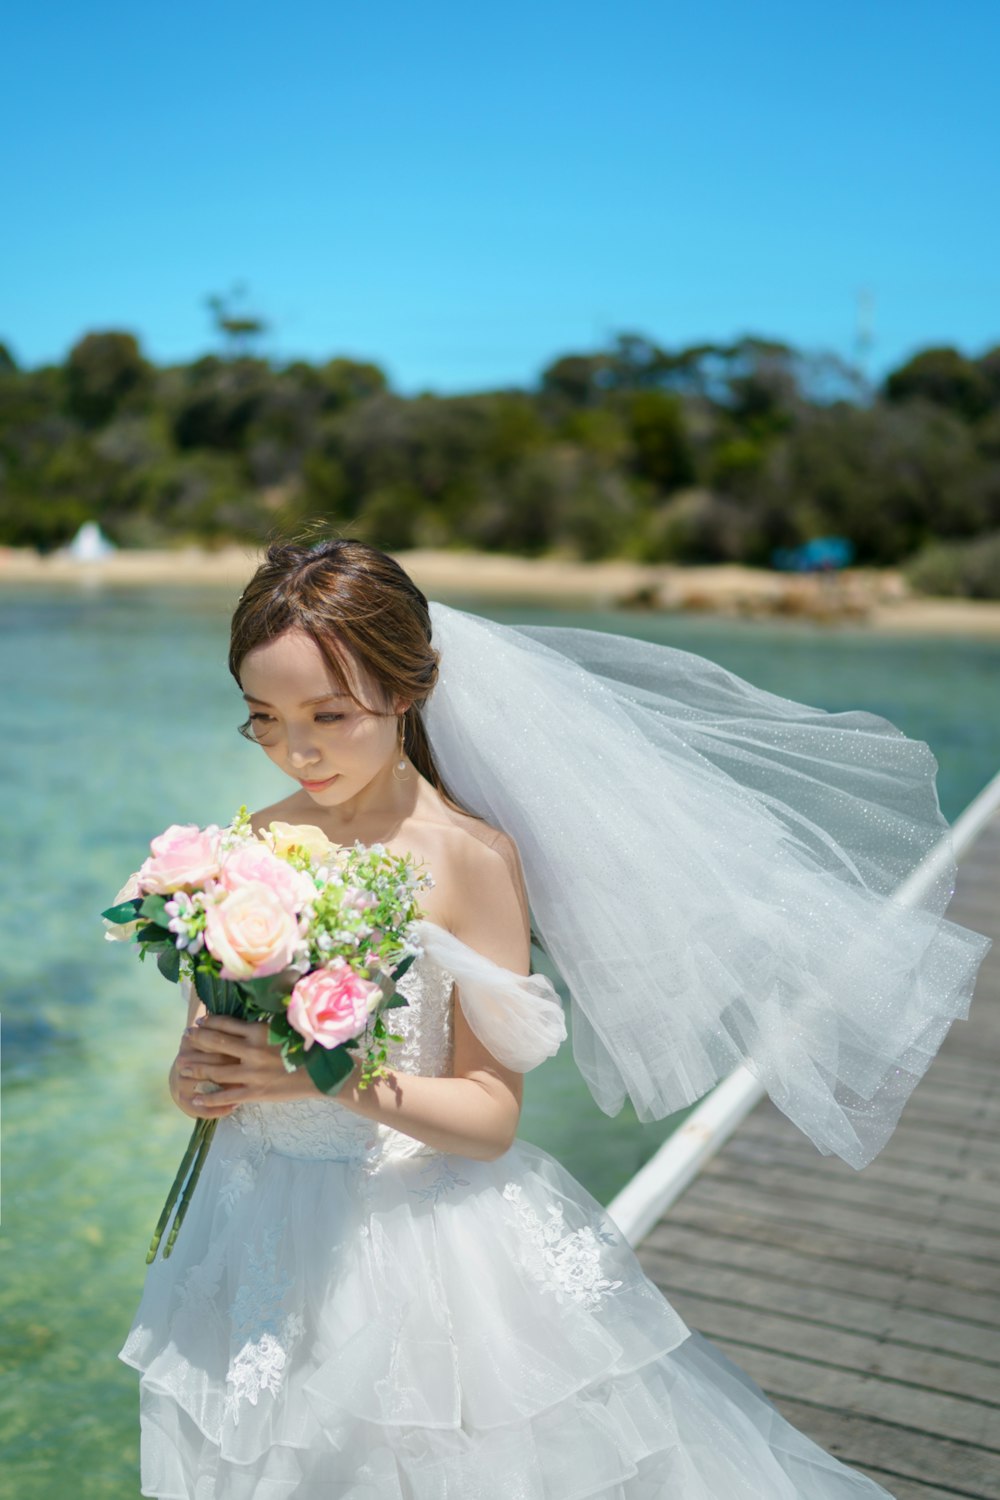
[[285, 926]]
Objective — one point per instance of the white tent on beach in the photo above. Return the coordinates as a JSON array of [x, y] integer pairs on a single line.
[[89, 545]]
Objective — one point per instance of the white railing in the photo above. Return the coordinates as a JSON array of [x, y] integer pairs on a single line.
[[644, 1199]]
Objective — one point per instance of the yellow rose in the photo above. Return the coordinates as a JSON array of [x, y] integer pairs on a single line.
[[306, 835]]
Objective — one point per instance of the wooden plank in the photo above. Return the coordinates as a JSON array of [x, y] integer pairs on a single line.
[[854, 1220], [767, 1117], [947, 1065], [955, 1110], [956, 1093], [930, 1148], [974, 1274], [888, 1451], [821, 1343], [963, 1188], [841, 1309], [935, 1412], [666, 1257], [913, 1489], [978, 1217]]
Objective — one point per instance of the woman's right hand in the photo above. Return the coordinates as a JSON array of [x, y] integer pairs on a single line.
[[182, 1088]]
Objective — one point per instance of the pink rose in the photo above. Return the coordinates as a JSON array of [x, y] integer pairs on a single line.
[[251, 932], [331, 1005], [184, 857], [251, 863]]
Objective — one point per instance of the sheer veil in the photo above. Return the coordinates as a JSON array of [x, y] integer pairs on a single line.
[[714, 870]]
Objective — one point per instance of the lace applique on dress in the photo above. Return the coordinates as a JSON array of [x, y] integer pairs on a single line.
[[196, 1293], [570, 1260], [241, 1174], [444, 1178], [268, 1333]]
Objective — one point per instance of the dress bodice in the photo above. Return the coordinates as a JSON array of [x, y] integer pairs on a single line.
[[322, 1128]]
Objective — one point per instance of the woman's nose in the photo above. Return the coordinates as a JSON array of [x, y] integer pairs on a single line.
[[301, 753]]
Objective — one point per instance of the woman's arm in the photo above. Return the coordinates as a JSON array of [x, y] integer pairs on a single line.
[[473, 1113]]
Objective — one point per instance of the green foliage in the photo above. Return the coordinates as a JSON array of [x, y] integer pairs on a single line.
[[123, 913], [946, 378], [328, 1068], [237, 329], [168, 961], [344, 381], [105, 371], [220, 403], [661, 451], [969, 569], [700, 454], [699, 526]]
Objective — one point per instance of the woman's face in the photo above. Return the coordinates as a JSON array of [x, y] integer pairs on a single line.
[[313, 741]]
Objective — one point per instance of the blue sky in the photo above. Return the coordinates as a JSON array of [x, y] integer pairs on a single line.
[[463, 193]]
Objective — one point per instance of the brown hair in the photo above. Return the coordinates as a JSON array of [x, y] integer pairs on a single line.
[[345, 593]]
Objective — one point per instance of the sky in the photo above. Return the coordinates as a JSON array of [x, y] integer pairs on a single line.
[[463, 193]]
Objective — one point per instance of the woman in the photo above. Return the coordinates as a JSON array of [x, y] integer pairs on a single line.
[[387, 1293]]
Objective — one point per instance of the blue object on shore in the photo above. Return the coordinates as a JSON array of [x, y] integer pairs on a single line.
[[821, 552]]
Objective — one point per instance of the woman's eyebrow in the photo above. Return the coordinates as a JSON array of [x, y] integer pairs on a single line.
[[323, 698]]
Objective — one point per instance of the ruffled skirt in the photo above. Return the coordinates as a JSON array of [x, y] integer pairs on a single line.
[[431, 1327]]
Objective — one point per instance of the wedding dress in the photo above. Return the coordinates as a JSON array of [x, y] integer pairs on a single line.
[[350, 1314]]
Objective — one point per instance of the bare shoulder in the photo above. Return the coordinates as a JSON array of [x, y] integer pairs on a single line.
[[492, 855], [489, 899], [278, 812]]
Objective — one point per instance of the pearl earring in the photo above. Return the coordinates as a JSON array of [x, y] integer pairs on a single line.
[[400, 764]]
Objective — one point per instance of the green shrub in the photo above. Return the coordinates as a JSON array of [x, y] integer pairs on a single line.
[[970, 570]]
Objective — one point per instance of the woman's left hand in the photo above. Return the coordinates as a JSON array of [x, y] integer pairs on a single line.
[[257, 1072]]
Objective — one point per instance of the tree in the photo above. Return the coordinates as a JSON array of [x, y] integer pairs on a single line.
[[661, 452], [347, 380], [577, 378], [945, 377], [219, 403], [105, 371], [238, 330]]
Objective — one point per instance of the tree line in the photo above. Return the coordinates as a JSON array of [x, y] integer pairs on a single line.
[[710, 453]]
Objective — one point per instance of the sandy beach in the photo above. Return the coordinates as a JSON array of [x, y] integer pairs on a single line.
[[876, 598]]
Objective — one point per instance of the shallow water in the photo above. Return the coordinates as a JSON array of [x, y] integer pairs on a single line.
[[121, 718]]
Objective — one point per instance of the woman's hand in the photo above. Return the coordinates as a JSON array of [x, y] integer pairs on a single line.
[[238, 1057], [184, 1080]]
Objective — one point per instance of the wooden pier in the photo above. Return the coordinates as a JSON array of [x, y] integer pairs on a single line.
[[867, 1304]]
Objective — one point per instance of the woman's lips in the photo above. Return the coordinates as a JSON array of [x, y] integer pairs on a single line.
[[314, 786]]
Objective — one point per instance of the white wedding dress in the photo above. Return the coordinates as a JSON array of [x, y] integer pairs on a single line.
[[349, 1314]]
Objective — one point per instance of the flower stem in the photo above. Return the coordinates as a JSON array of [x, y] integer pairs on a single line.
[[193, 1146], [192, 1182]]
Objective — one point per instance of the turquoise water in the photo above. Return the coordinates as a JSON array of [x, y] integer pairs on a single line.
[[120, 718]]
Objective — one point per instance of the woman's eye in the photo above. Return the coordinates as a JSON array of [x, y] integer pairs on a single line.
[[322, 718]]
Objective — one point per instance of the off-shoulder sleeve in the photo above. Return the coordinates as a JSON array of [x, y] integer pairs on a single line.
[[518, 1017]]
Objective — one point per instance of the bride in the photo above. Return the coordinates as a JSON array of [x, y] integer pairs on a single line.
[[387, 1294]]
